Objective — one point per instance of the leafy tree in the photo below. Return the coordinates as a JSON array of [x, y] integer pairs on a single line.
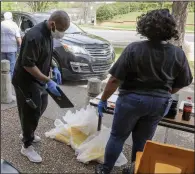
[[191, 6], [40, 6], [8, 6], [86, 10]]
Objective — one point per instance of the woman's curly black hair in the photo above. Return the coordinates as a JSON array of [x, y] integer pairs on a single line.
[[157, 25]]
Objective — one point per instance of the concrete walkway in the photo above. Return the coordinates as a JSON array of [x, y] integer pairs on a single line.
[[57, 157]]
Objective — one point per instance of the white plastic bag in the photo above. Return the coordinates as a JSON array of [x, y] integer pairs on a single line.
[[86, 120], [80, 131], [94, 148], [81, 124], [60, 132], [122, 160], [77, 137]]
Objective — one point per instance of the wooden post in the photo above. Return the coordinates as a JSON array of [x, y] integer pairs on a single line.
[[6, 86]]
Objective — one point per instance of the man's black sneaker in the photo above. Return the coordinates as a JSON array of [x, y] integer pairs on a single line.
[[99, 169], [129, 170], [126, 170]]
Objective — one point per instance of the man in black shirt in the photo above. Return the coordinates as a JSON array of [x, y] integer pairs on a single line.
[[31, 77], [147, 73]]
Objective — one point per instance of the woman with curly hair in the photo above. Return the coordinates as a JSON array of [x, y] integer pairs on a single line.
[[147, 73]]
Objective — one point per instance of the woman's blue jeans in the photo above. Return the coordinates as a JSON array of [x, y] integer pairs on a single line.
[[136, 114]]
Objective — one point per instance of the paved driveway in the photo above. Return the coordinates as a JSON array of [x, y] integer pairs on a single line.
[[123, 38]]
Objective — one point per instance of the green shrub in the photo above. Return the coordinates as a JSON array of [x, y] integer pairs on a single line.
[[149, 6], [134, 6], [108, 11], [105, 12], [167, 5], [122, 8], [115, 9], [191, 7]]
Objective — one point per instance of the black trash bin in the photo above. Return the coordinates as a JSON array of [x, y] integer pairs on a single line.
[[173, 109]]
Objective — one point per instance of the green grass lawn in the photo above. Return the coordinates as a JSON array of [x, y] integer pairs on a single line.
[[189, 28], [121, 26], [118, 52], [127, 17], [190, 19], [132, 26], [133, 15]]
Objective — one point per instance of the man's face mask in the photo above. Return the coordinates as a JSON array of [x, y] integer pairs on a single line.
[[57, 34]]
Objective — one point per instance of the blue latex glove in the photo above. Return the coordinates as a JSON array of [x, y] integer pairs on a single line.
[[102, 106], [51, 86], [57, 75]]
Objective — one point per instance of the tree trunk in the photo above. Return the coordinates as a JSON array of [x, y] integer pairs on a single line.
[[38, 6], [84, 7], [179, 11], [86, 10], [85, 14], [95, 10]]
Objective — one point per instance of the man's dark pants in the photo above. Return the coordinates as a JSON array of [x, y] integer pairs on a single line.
[[29, 117], [136, 114]]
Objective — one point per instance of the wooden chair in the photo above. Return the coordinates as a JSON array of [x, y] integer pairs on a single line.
[[163, 158]]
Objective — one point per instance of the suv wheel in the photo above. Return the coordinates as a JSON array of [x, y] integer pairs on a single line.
[[54, 59]]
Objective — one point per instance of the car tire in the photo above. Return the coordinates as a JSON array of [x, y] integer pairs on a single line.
[[57, 62]]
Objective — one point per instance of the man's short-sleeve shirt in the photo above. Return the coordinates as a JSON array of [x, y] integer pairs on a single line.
[[36, 50], [152, 68], [9, 33]]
